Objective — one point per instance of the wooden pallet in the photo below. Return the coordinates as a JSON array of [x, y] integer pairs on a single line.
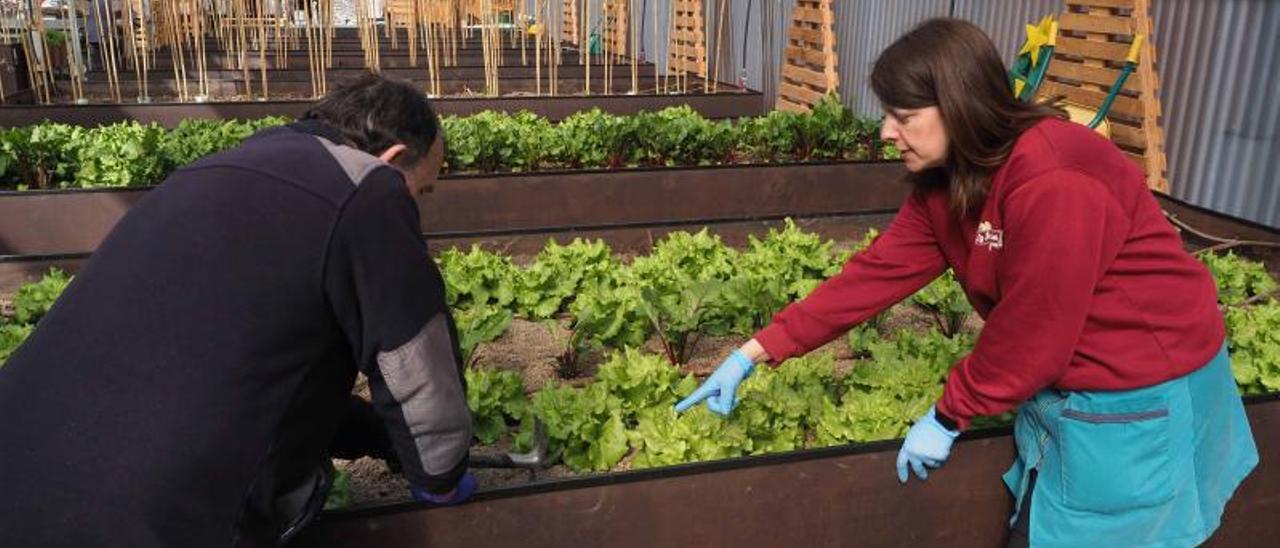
[[439, 12], [570, 26], [1094, 38], [809, 64], [688, 41], [475, 9], [617, 19]]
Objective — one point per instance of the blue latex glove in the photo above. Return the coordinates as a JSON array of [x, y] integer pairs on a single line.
[[720, 389], [463, 491], [927, 446]]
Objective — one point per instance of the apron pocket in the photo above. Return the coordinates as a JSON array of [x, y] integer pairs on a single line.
[[1115, 454]]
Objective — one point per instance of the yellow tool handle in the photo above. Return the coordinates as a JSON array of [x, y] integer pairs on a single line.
[[1135, 49]]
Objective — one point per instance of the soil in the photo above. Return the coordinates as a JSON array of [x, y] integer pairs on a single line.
[[373, 484]]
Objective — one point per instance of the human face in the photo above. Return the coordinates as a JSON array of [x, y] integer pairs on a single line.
[[919, 135], [421, 176]]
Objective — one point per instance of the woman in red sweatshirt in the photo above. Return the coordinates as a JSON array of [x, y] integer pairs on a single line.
[[1101, 330]]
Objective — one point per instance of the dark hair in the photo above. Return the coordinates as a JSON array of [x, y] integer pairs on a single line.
[[373, 113], [952, 64]]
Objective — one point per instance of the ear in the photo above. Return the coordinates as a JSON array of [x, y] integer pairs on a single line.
[[392, 152]]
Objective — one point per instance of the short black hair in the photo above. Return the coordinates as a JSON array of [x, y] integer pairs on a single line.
[[374, 112]]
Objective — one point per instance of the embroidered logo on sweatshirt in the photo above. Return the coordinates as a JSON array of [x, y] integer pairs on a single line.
[[989, 237]]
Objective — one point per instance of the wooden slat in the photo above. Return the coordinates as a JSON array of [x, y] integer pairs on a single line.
[[812, 36], [1095, 23], [814, 79], [687, 51], [784, 104], [1137, 159], [1130, 136], [806, 95], [805, 56], [811, 15], [809, 56], [1126, 107], [1101, 76], [1121, 4], [1109, 51]]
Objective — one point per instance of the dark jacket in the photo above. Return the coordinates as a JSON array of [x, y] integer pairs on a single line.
[[186, 387]]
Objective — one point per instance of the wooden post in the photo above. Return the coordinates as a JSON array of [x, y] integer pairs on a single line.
[[1094, 39], [687, 41], [809, 59]]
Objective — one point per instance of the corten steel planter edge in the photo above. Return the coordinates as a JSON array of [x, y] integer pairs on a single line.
[[42, 222], [825, 497], [633, 238], [545, 202]]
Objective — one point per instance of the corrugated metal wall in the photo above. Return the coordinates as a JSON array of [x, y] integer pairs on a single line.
[[1005, 21], [1218, 66], [863, 29]]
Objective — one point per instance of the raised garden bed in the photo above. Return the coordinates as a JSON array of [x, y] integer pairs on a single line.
[[726, 104], [40, 225], [823, 496], [842, 496], [849, 490], [39, 229]]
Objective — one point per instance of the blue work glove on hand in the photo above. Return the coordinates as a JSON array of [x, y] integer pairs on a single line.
[[722, 386], [463, 491], [927, 445]]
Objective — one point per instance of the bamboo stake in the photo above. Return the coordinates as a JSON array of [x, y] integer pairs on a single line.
[[263, 37], [429, 29], [537, 46], [39, 58], [199, 32], [657, 78], [311, 50], [671, 27], [634, 30], [326, 36], [238, 14], [606, 41], [286, 34], [715, 61], [109, 51], [75, 65], [175, 44], [138, 60]]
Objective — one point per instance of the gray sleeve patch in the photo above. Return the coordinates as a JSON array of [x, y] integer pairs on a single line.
[[355, 163], [423, 378]]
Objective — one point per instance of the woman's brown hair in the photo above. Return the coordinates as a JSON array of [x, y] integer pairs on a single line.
[[952, 64]]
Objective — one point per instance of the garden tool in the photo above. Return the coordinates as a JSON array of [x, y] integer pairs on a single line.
[[1130, 64], [1033, 58], [532, 461]]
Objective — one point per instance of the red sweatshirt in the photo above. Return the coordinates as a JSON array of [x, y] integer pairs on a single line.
[[1082, 282]]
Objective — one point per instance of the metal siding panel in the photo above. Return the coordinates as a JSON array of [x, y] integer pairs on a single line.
[[747, 42], [1214, 60], [863, 30], [1005, 22]]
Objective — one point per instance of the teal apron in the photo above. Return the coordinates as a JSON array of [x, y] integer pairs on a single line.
[[1150, 467]]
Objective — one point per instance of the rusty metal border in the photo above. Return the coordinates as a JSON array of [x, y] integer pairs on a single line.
[[47, 222], [842, 495]]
